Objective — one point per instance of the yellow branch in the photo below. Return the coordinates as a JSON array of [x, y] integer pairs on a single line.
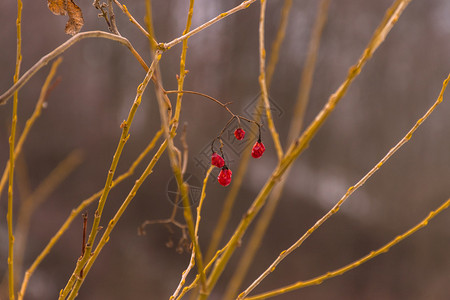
[[30, 122], [12, 140], [257, 235], [113, 222], [350, 191], [108, 184], [340, 271], [59, 50], [235, 9], [149, 22], [262, 82], [202, 197], [300, 145], [182, 186], [76, 211], [194, 283], [183, 71], [40, 195], [175, 164], [276, 45], [197, 223], [245, 156]]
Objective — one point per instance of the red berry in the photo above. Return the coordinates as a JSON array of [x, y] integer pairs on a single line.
[[258, 149], [217, 160], [239, 133], [224, 177]]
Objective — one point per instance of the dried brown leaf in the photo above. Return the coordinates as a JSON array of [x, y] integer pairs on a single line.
[[76, 21], [68, 7], [58, 7]]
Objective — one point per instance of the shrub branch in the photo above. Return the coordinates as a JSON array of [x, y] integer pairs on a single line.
[[59, 50], [301, 144], [357, 263], [349, 192]]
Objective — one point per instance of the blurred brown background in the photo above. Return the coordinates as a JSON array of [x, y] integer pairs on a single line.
[[99, 79]]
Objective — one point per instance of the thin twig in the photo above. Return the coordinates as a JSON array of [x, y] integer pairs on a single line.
[[12, 157], [297, 147], [183, 243], [181, 77], [306, 79], [195, 281], [276, 45], [112, 18], [357, 263], [59, 50], [202, 198], [133, 20], [149, 23], [262, 82], [38, 197], [178, 40], [101, 204], [113, 222], [183, 188], [245, 156], [30, 122], [197, 223], [224, 105], [83, 241], [249, 253], [103, 13], [184, 275]]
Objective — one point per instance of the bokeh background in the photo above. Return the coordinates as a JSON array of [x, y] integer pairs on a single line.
[[98, 83]]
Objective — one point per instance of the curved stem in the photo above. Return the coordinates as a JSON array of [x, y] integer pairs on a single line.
[[59, 50], [178, 40], [203, 95], [224, 105]]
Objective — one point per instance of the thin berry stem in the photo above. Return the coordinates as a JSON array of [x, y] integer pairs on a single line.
[[224, 105]]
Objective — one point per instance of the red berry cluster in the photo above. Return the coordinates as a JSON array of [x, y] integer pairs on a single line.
[[217, 160]]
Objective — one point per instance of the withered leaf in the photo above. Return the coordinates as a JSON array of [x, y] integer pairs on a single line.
[[68, 7], [58, 7], [76, 21]]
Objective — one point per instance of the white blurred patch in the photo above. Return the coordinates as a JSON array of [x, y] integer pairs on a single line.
[[323, 187], [441, 22]]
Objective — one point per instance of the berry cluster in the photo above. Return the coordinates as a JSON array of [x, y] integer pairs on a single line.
[[217, 160]]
